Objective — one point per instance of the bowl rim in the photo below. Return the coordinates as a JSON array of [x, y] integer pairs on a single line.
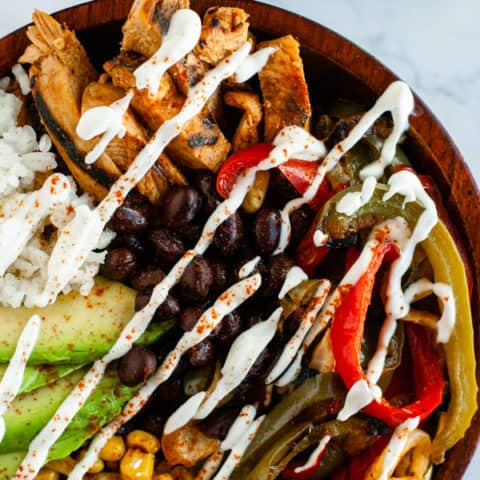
[[461, 195]]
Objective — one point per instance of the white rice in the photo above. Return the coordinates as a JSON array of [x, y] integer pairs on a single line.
[[22, 78], [22, 158]]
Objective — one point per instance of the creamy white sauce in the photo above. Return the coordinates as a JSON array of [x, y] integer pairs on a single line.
[[22, 78], [295, 342], [359, 396], [408, 185], [253, 64], [313, 458], [105, 120], [239, 427], [182, 36], [240, 359], [353, 201], [238, 450], [248, 268], [13, 377], [320, 238], [184, 413], [25, 212], [295, 276], [444, 293], [210, 467], [396, 446]]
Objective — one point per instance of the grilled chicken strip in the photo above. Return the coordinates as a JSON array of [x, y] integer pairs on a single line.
[[285, 92]]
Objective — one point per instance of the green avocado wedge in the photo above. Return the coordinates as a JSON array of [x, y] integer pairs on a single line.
[[30, 412], [75, 329], [9, 464], [38, 376]]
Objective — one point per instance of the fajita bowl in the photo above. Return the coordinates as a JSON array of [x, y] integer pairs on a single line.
[[335, 67]]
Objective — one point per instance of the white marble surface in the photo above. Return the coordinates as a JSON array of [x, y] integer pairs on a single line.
[[434, 45]]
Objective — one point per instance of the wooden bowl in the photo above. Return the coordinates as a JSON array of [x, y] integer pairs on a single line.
[[335, 67]]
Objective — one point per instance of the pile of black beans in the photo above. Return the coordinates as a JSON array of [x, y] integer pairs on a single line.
[[150, 240]]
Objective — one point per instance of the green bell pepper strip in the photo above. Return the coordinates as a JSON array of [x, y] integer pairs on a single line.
[[448, 267]]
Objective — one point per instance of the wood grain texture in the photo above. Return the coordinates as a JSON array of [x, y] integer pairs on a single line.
[[336, 67]]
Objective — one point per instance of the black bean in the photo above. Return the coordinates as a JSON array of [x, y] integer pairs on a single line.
[[190, 233], [218, 423], [221, 276], [229, 235], [137, 366], [132, 241], [228, 328], [196, 280], [168, 310], [166, 247], [252, 320], [280, 190], [205, 181], [300, 220], [266, 227], [180, 206], [147, 279], [119, 264], [275, 272], [131, 217], [202, 353], [262, 364], [169, 393], [188, 318], [152, 422]]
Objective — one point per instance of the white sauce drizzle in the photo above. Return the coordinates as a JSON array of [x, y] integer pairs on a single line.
[[210, 467], [239, 427], [313, 458], [184, 413], [295, 276], [24, 214], [240, 359], [238, 450], [105, 120], [253, 64], [292, 372], [248, 268], [295, 342], [320, 238], [359, 396], [13, 377], [22, 78], [396, 446], [353, 201], [408, 185], [444, 292], [182, 36]]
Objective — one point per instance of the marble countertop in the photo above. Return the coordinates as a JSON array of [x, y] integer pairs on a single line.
[[433, 45]]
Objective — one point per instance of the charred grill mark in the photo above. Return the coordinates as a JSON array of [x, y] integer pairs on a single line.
[[68, 145], [196, 141]]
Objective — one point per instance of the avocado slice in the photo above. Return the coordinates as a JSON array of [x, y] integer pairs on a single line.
[[37, 376], [30, 412], [9, 464], [76, 329]]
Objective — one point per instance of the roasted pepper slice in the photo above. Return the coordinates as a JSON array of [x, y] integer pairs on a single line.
[[448, 267]]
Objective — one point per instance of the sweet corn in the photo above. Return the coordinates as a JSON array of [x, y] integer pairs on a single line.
[[46, 474], [137, 465], [97, 467], [163, 476], [64, 466], [105, 476], [143, 440], [113, 466], [114, 450]]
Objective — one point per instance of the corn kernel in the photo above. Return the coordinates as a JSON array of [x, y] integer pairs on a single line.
[[162, 476], [143, 440], [114, 450], [137, 465], [64, 466], [97, 467], [46, 474], [106, 476], [111, 466]]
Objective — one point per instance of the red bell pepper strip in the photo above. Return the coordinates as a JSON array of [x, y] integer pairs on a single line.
[[347, 333], [432, 189], [359, 465]]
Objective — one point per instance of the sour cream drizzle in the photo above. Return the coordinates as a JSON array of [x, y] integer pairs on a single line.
[[351, 202], [396, 446], [295, 276], [182, 36], [295, 343], [24, 214], [313, 458], [253, 63], [248, 268], [105, 120], [13, 377]]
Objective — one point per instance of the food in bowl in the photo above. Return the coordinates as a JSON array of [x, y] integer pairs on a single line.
[[208, 277]]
